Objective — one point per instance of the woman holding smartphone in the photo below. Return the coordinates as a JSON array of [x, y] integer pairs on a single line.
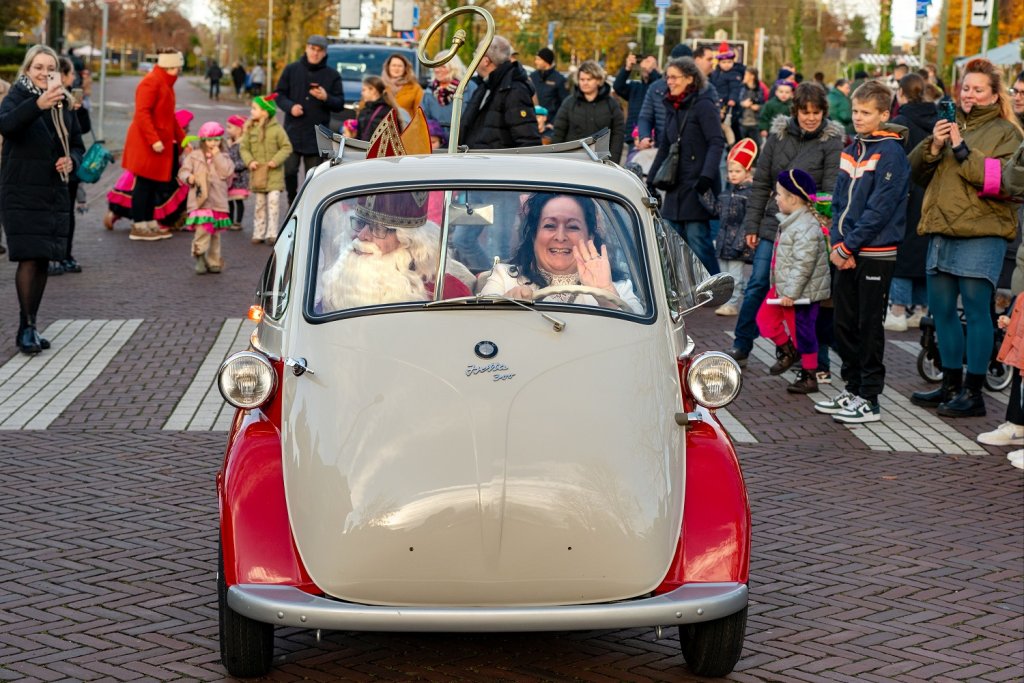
[[42, 148], [968, 223]]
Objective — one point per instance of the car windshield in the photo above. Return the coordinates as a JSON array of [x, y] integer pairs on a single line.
[[551, 248], [353, 62]]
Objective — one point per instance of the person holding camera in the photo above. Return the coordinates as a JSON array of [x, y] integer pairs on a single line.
[[969, 223], [42, 148]]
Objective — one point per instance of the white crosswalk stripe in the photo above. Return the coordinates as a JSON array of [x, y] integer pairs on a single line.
[[202, 408], [737, 431], [35, 390]]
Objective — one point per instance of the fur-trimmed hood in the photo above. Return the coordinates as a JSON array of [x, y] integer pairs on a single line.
[[783, 126]]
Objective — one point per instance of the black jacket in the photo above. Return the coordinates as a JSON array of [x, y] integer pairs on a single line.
[[293, 88], [633, 92], [789, 146], [500, 113], [550, 88], [579, 118], [238, 76], [919, 118], [35, 206], [369, 117], [700, 153]]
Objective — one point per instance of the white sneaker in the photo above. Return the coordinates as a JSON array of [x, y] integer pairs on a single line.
[[895, 323], [831, 406], [915, 318], [859, 410], [727, 309], [1006, 434], [1016, 458]]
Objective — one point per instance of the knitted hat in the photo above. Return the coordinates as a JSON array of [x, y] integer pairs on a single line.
[[394, 209], [786, 82], [267, 103], [743, 153], [211, 130], [547, 55], [540, 111], [680, 50], [170, 60], [436, 130], [725, 52], [236, 120], [183, 117], [800, 183]]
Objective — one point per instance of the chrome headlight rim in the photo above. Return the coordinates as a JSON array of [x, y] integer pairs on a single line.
[[259, 358], [696, 366]]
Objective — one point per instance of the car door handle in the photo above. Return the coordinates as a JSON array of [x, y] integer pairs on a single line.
[[298, 366]]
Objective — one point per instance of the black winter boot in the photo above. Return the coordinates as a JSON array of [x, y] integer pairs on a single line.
[[27, 339], [969, 402], [806, 383], [786, 355], [952, 384]]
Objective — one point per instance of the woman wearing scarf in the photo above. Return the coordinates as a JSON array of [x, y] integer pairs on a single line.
[[42, 148], [438, 101], [400, 77]]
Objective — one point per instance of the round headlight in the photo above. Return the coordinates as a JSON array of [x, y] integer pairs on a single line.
[[246, 379], [714, 379]]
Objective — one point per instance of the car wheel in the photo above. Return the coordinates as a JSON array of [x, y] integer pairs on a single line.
[[712, 648], [246, 645], [928, 368]]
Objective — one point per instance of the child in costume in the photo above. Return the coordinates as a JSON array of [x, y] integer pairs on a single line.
[[265, 147], [731, 246], [208, 171], [239, 189]]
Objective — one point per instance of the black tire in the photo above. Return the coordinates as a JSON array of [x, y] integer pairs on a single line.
[[712, 648], [998, 376], [246, 645], [926, 367]]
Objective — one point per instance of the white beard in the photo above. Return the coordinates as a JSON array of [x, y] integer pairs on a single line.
[[363, 276]]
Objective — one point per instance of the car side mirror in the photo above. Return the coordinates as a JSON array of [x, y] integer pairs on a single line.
[[713, 291]]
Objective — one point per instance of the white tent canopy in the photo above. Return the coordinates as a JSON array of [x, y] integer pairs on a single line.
[[887, 60], [87, 51], [1004, 55]]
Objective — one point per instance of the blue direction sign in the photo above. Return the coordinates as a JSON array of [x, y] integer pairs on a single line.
[[662, 4], [922, 8]]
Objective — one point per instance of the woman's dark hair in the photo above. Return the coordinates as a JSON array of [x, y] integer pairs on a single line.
[[809, 94], [524, 257], [755, 73], [912, 87], [65, 66], [688, 67]]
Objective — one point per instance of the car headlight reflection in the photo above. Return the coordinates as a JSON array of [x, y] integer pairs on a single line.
[[714, 379], [246, 380]]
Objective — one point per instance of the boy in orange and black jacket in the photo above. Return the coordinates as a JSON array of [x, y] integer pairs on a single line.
[[869, 209]]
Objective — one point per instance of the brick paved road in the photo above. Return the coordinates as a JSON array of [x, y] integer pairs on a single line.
[[869, 563]]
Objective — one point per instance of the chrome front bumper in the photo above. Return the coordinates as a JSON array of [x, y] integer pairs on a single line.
[[287, 606]]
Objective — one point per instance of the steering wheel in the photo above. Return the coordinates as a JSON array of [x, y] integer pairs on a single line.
[[596, 292]]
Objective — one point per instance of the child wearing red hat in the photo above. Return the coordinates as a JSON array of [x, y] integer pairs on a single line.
[[731, 247], [239, 188]]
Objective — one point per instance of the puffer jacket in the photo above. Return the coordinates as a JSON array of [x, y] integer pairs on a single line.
[[1012, 350], [952, 206], [731, 243], [274, 146], [869, 205], [800, 258], [789, 146], [35, 207], [577, 118], [500, 114]]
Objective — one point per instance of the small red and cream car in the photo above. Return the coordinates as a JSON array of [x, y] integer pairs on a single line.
[[519, 436]]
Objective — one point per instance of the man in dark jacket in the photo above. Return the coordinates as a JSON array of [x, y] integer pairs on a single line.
[[548, 83], [500, 113], [213, 74], [307, 92], [633, 91]]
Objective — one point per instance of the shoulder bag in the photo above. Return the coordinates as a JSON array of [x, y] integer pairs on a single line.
[[668, 173], [94, 162]]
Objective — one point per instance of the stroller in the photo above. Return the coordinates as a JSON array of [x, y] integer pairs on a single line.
[[929, 366]]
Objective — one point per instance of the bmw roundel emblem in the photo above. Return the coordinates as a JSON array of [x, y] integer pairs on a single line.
[[486, 349]]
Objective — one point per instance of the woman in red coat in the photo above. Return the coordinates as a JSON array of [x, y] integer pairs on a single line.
[[152, 144]]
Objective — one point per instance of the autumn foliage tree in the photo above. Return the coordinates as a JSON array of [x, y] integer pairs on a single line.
[[1011, 26]]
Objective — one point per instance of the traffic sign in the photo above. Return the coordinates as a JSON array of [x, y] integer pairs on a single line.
[[659, 35], [981, 13], [662, 4], [922, 8]]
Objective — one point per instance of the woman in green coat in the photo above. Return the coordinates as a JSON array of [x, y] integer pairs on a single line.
[[265, 147], [969, 226]]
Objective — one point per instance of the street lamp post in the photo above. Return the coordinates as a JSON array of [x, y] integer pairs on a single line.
[[261, 30]]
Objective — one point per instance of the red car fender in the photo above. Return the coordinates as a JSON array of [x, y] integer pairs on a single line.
[[255, 533], [714, 543]]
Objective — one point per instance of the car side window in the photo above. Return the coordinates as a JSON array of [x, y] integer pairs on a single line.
[[275, 285], [669, 249]]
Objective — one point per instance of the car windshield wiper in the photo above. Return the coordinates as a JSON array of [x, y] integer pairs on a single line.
[[528, 304]]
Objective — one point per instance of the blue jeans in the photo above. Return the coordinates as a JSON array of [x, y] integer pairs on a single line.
[[906, 291], [697, 235], [753, 296], [976, 293]]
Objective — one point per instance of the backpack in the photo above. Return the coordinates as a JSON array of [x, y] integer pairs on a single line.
[[94, 162]]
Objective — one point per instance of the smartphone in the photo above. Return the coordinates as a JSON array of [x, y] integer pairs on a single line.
[[314, 85], [947, 110], [52, 80], [77, 94]]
